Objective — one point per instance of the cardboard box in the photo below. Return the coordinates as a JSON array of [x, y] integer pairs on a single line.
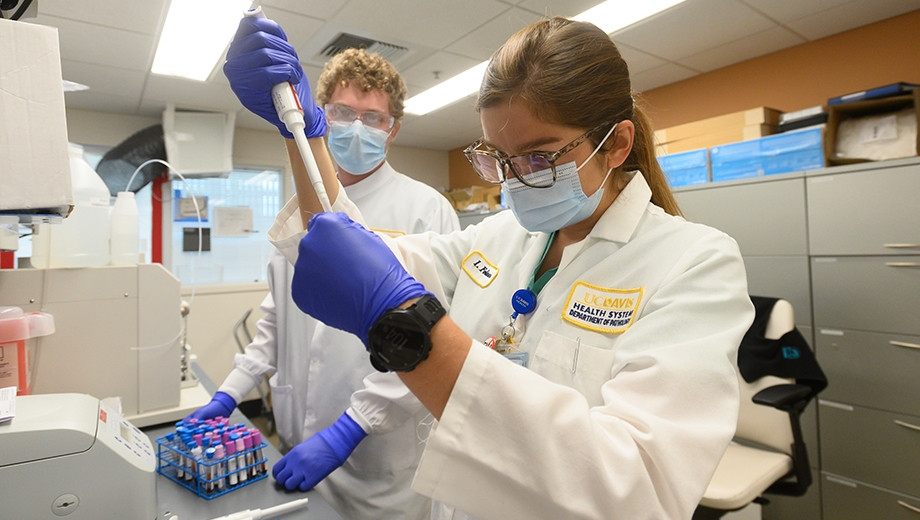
[[839, 113], [726, 135], [752, 117], [34, 162], [687, 168], [782, 153]]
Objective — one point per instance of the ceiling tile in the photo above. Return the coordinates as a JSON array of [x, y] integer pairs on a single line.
[[322, 9], [482, 42], [100, 102], [692, 27], [105, 80], [759, 44], [298, 28], [190, 94], [142, 17], [431, 23], [788, 10], [97, 45], [663, 75], [448, 65], [849, 16], [567, 8], [637, 60]]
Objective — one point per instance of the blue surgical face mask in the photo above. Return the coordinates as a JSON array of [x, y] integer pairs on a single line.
[[357, 149], [561, 205]]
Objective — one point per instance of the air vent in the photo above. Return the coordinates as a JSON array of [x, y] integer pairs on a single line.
[[351, 41]]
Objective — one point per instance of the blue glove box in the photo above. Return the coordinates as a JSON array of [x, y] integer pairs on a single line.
[[686, 168], [774, 154]]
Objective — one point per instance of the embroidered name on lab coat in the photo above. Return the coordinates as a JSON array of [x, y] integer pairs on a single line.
[[392, 233], [480, 270], [602, 309]]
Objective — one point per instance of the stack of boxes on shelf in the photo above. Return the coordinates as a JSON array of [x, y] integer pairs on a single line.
[[736, 146], [873, 125]]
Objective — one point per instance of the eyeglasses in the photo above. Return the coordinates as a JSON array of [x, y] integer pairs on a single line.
[[534, 169], [372, 118]]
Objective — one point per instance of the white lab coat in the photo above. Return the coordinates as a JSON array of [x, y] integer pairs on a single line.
[[317, 368], [605, 424]]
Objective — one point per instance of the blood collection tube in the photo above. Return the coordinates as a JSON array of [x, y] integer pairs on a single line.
[[209, 469], [257, 444], [196, 459], [241, 457], [219, 457], [231, 464]]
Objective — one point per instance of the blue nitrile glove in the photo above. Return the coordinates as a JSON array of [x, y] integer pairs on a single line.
[[346, 277], [315, 458], [220, 405], [261, 57]]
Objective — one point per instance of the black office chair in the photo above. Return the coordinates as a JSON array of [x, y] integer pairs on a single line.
[[779, 376]]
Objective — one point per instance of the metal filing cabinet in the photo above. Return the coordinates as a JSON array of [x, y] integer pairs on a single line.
[[864, 238], [767, 217]]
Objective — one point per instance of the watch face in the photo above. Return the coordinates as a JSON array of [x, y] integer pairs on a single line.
[[398, 341]]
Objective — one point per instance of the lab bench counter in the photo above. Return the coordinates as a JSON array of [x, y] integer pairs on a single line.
[[173, 499]]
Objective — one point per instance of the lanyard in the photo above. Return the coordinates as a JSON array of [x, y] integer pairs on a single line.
[[524, 301]]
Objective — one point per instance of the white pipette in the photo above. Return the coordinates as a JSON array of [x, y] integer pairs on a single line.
[[271, 512], [290, 112]]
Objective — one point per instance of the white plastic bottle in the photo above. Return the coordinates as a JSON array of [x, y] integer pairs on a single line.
[[82, 240], [124, 221]]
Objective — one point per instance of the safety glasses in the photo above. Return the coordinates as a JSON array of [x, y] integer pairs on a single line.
[[535, 169], [371, 118]]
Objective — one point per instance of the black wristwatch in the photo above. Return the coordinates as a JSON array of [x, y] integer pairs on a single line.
[[401, 338]]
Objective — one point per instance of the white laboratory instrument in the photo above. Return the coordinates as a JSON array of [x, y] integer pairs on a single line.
[[71, 456], [117, 335]]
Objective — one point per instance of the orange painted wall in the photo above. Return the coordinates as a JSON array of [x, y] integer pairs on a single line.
[[798, 77], [791, 79]]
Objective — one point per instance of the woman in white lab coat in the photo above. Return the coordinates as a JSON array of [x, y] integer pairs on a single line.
[[628, 396]]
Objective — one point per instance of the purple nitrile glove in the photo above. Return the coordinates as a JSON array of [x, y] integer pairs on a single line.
[[220, 405], [259, 58], [315, 458], [347, 277]]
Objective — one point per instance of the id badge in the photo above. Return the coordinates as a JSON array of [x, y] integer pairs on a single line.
[[518, 358]]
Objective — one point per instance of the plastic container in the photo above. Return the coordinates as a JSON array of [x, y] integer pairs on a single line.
[[124, 230], [16, 332], [82, 240]]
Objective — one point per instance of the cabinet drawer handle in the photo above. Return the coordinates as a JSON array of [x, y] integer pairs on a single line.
[[902, 246], [907, 425], [902, 264], [908, 506], [904, 344]]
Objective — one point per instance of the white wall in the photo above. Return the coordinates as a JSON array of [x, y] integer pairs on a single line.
[[428, 166]]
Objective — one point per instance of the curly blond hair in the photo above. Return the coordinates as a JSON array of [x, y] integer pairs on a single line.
[[367, 71]]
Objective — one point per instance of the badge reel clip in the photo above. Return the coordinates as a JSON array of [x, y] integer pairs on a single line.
[[523, 302]]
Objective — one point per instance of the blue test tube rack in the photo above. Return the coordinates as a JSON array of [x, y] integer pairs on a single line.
[[210, 478]]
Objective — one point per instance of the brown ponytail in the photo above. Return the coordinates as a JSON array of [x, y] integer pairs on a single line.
[[574, 72]]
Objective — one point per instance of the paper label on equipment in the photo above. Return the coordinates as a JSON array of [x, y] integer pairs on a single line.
[[602, 309], [883, 129], [7, 403], [479, 269]]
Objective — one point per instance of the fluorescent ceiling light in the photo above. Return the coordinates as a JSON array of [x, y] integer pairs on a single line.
[[614, 15], [195, 35], [447, 92], [610, 16]]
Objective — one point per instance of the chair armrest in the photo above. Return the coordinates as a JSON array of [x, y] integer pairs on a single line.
[[784, 397]]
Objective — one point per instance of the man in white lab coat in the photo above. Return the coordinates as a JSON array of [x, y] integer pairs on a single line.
[[315, 374]]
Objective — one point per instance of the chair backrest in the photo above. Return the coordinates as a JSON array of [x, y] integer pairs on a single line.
[[762, 424]]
